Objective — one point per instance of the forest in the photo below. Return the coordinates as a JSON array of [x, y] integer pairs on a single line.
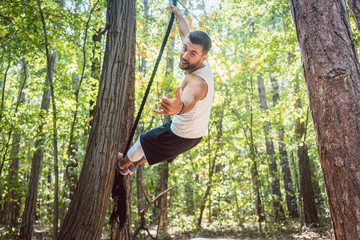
[[280, 159]]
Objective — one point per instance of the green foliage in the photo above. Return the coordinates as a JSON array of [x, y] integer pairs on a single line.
[[250, 39]]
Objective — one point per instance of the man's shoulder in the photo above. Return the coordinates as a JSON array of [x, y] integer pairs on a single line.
[[193, 78]]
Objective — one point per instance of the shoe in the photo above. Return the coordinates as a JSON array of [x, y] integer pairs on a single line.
[[122, 171], [132, 169]]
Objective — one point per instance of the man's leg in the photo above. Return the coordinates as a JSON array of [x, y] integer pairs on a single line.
[[126, 162], [141, 161], [135, 156]]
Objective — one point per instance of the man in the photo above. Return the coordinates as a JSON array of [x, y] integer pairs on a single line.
[[191, 106]]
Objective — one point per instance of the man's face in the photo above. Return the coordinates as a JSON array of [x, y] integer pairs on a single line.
[[191, 56]]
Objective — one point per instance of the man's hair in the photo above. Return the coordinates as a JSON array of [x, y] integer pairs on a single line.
[[201, 38]]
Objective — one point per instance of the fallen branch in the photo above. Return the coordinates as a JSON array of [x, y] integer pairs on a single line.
[[142, 224]]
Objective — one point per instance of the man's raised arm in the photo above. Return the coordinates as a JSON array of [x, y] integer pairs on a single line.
[[184, 29]]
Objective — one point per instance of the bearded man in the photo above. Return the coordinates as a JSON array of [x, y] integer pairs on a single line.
[[191, 106]]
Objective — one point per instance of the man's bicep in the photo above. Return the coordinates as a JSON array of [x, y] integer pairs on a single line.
[[197, 88], [184, 35]]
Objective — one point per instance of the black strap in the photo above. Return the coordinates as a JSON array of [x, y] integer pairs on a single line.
[[151, 81]]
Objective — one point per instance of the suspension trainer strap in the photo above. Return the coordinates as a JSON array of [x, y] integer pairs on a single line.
[[151, 80]]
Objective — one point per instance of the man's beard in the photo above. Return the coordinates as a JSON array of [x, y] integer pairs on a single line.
[[188, 66]]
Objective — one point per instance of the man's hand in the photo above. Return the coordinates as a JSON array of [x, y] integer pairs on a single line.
[[170, 106], [175, 10]]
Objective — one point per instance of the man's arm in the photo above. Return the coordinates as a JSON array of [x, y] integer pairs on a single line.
[[194, 90], [184, 28]]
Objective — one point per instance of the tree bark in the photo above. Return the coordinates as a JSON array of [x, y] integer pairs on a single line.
[[95, 67], [306, 186], [331, 71], [288, 183], [274, 174], [354, 6], [112, 120], [28, 217], [13, 200]]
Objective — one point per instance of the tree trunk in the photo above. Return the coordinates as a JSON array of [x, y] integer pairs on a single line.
[[95, 67], [354, 6], [140, 129], [274, 174], [28, 217], [56, 167], [13, 200], [288, 183], [163, 199], [165, 167], [212, 164], [306, 186], [140, 176], [331, 71], [249, 136], [112, 120]]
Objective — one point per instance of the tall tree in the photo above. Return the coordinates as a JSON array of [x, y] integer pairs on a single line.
[[248, 128], [306, 186], [112, 120], [165, 165], [13, 200], [274, 181], [288, 183], [140, 129], [331, 69], [28, 218], [55, 141]]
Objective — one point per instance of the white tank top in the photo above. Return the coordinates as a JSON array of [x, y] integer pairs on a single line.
[[194, 124]]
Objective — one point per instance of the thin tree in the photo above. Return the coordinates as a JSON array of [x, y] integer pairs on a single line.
[[13, 200], [288, 183], [141, 129], [248, 129], [306, 186], [55, 143], [212, 160], [28, 218], [274, 174], [165, 165], [332, 76], [112, 120]]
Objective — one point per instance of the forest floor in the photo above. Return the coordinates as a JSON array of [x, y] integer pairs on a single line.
[[212, 232]]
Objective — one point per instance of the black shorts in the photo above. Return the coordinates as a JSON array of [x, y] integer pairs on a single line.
[[161, 144]]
